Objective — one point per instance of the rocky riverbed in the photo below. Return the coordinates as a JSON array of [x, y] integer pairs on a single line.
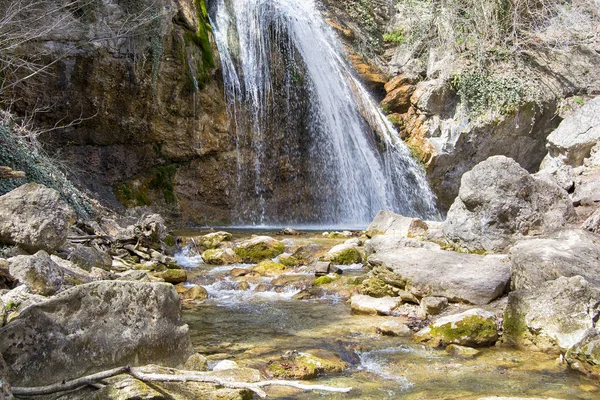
[[500, 299]]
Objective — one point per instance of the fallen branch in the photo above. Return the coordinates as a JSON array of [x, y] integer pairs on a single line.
[[188, 376], [8, 173], [69, 385]]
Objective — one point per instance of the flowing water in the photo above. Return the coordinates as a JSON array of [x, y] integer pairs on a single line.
[[260, 324], [312, 146]]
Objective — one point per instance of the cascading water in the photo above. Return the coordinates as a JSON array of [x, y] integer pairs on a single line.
[[312, 147]]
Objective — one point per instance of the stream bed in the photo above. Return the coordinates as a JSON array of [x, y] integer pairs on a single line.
[[263, 322]]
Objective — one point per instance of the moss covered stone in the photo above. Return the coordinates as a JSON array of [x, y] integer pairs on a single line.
[[220, 257], [344, 254], [473, 328], [324, 280], [258, 249], [302, 366], [173, 275], [269, 268], [377, 288], [214, 240], [288, 260]]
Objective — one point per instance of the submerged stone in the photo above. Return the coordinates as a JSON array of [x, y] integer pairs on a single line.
[[302, 366]]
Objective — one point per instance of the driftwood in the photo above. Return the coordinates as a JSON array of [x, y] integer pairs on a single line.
[[187, 376], [8, 173]]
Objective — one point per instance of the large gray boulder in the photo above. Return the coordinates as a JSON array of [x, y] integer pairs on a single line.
[[465, 278], [573, 140], [389, 223], [35, 217], [565, 253], [553, 317], [93, 327], [499, 202]]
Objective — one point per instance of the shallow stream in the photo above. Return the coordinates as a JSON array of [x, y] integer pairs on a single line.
[[254, 326]]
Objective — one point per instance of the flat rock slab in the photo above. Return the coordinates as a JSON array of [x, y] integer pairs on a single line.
[[468, 278], [566, 253], [373, 306], [93, 327]]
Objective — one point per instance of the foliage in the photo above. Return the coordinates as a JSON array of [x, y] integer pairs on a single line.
[[482, 92], [396, 37], [20, 150]]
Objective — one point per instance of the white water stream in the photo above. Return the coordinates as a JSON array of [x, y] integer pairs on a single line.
[[287, 80]]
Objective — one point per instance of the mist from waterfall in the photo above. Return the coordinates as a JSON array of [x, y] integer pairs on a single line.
[[312, 146]]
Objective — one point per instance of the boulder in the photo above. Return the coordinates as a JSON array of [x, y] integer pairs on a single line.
[[472, 328], [465, 278], [195, 293], [575, 137], [344, 254], [41, 275], [390, 243], [213, 240], [172, 275], [565, 253], [389, 223], [152, 230], [435, 97], [220, 257], [374, 306], [499, 202], [93, 327], [35, 217], [258, 249], [554, 316], [587, 189], [196, 362], [89, 257]]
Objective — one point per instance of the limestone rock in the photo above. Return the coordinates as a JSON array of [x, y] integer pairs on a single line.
[[93, 327], [554, 316], [575, 137], [225, 365], [196, 293], [467, 278], [566, 253], [374, 306], [41, 275], [35, 217], [394, 328], [473, 328], [89, 257], [258, 249], [389, 223], [435, 97], [391, 243], [220, 257], [462, 351], [344, 254], [433, 305], [322, 268], [587, 189], [173, 276], [151, 227], [499, 201]]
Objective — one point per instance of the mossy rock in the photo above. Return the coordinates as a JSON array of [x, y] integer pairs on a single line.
[[473, 328], [220, 257], [347, 256], [326, 279], [173, 276], [196, 293], [302, 366], [377, 288], [269, 268], [258, 249], [214, 240], [288, 260]]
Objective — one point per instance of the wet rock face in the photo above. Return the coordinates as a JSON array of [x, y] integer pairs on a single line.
[[35, 217], [94, 327], [499, 201], [150, 100]]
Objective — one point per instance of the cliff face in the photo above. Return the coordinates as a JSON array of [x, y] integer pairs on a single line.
[[465, 83], [140, 80]]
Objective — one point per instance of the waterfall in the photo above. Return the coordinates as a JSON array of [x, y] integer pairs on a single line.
[[312, 146]]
